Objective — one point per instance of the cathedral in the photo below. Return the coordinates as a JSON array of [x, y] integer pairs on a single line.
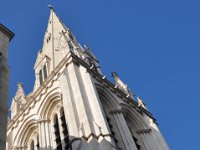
[[73, 106]]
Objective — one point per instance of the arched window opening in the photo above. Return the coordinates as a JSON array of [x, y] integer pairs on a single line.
[[45, 71], [111, 129], [133, 134], [40, 76], [57, 134], [108, 106], [65, 130], [136, 143], [38, 144], [32, 145]]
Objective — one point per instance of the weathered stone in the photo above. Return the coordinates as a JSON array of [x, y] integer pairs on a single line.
[[5, 36]]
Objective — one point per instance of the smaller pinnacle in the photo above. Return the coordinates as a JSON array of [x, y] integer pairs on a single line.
[[19, 85]]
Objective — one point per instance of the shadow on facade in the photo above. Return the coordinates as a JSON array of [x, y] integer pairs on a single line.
[[82, 144]]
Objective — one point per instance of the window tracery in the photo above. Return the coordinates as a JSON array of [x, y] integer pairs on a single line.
[[57, 133], [61, 133], [65, 130]]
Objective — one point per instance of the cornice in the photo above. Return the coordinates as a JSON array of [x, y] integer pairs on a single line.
[[6, 31]]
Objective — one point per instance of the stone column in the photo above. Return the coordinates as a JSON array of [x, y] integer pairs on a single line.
[[124, 131], [5, 36], [47, 134], [44, 137], [147, 139]]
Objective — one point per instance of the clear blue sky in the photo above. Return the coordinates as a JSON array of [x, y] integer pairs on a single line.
[[153, 45]]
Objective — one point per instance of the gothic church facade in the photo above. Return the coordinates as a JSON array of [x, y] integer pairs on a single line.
[[74, 107]]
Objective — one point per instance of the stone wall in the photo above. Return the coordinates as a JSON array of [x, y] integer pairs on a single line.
[[5, 37]]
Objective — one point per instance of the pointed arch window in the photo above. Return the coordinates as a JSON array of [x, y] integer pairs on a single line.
[[38, 144], [57, 133], [65, 130], [133, 134], [40, 76], [32, 146], [45, 71], [136, 142]]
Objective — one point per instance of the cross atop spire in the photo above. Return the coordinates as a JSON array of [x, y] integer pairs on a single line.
[[51, 7]]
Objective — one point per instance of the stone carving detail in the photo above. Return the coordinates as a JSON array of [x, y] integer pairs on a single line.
[[121, 85], [143, 131], [20, 95], [141, 103], [18, 101]]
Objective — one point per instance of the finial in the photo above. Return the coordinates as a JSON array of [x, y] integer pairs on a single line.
[[141, 103], [20, 91], [114, 74], [51, 7], [19, 85], [87, 48], [121, 85]]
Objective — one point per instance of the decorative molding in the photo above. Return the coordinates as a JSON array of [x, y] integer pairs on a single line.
[[143, 131], [95, 136], [43, 120], [118, 111], [39, 92]]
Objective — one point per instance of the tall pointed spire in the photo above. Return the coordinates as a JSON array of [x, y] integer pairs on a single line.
[[58, 41], [52, 38], [52, 35]]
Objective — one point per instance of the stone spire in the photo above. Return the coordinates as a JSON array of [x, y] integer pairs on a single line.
[[121, 85], [57, 38], [57, 43]]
